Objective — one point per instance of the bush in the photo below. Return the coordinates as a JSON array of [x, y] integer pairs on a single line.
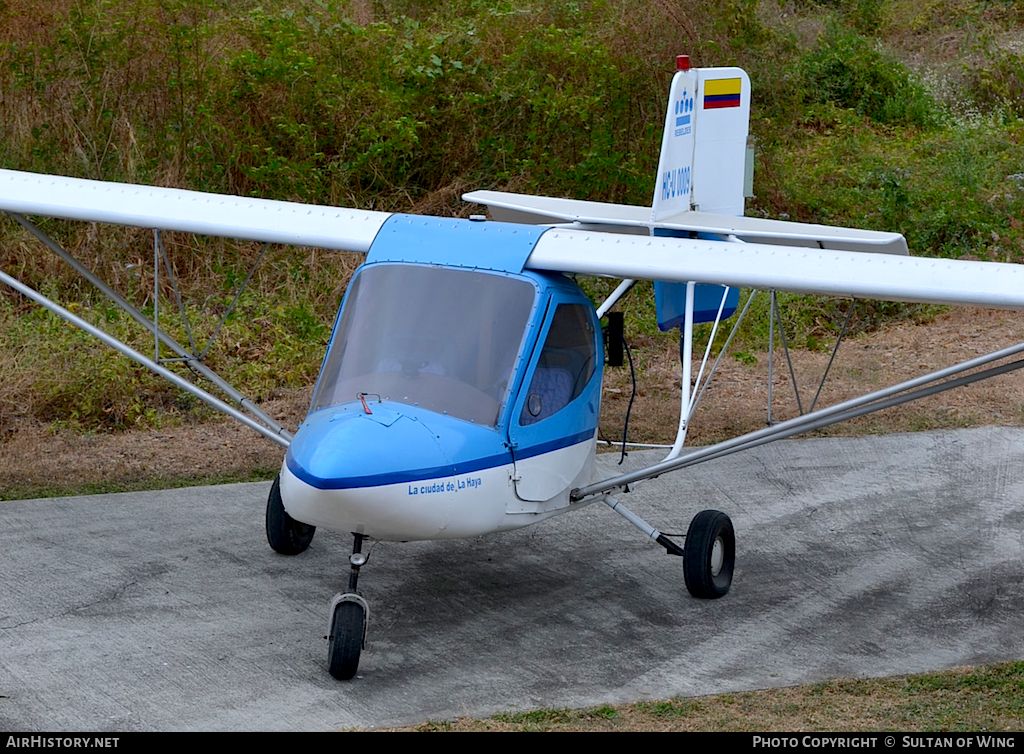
[[1001, 84], [848, 71]]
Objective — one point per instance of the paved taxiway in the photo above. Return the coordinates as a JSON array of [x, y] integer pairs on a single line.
[[856, 557]]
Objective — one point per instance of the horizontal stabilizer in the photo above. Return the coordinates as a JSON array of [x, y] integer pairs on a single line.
[[542, 210], [189, 211]]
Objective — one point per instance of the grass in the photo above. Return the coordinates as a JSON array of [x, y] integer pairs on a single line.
[[274, 340], [979, 699], [62, 488]]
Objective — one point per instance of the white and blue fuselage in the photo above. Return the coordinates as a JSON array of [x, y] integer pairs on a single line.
[[459, 394]]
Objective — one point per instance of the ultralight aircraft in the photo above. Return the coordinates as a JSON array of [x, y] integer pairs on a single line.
[[460, 390]]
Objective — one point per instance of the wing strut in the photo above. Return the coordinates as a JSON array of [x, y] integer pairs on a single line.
[[690, 398], [140, 359], [904, 392], [191, 358]]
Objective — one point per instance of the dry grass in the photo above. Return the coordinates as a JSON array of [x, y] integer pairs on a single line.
[[737, 401], [963, 699]]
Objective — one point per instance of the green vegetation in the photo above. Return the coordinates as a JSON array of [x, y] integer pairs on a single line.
[[984, 699], [871, 113], [273, 340]]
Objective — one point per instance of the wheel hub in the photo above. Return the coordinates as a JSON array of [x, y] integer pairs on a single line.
[[717, 556]]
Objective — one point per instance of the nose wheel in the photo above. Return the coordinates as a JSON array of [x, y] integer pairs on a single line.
[[346, 633]]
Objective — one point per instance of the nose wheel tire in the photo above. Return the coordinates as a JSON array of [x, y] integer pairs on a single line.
[[709, 555], [345, 641], [286, 535]]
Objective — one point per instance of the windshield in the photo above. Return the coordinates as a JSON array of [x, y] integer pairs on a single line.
[[443, 339]]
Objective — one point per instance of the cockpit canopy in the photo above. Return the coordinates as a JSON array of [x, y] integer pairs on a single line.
[[439, 338]]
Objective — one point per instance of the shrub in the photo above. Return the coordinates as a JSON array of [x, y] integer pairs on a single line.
[[847, 70]]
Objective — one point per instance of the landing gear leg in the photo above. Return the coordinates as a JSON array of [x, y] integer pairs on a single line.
[[349, 614], [709, 553]]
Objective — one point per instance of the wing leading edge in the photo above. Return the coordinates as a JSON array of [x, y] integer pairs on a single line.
[[837, 273], [189, 211], [758, 265]]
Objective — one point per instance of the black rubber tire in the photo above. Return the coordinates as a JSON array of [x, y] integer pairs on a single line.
[[346, 640], [703, 579], [285, 535]]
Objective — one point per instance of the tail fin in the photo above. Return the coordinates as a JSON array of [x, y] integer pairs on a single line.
[[704, 145], [702, 167]]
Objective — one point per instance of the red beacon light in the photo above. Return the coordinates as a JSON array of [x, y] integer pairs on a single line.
[[682, 62]]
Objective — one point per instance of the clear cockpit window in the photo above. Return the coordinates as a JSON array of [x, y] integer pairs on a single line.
[[565, 366], [442, 339]]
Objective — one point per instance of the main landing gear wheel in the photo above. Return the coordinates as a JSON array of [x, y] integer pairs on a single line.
[[286, 535], [709, 555], [345, 641]]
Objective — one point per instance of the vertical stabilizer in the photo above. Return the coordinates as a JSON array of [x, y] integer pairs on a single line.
[[704, 144], [675, 166], [702, 167]]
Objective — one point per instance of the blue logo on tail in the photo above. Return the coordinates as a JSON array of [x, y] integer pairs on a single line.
[[683, 114]]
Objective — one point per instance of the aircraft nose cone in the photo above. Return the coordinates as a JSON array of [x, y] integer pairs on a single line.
[[346, 447]]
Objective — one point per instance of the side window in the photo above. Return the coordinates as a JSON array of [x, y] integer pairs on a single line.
[[565, 367]]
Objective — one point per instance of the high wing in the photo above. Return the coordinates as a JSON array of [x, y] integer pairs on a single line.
[[753, 253], [772, 262], [841, 273], [189, 211], [163, 209]]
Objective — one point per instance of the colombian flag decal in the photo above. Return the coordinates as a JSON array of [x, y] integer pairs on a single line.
[[721, 93]]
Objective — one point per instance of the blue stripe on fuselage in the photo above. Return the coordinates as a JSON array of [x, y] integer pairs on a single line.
[[435, 472], [396, 477]]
